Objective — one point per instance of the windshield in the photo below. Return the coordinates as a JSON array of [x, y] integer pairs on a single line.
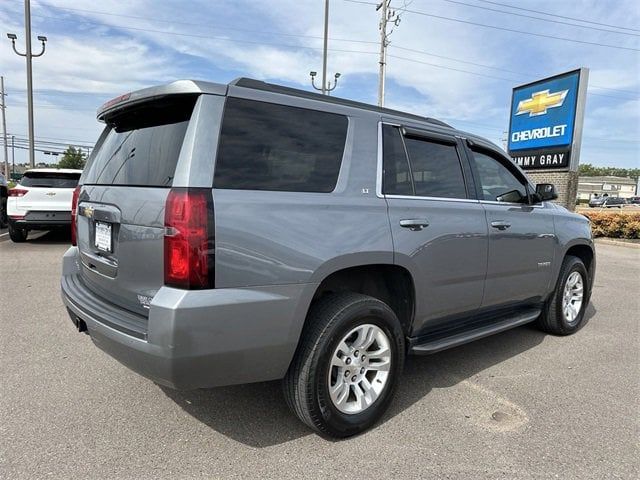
[[50, 179]]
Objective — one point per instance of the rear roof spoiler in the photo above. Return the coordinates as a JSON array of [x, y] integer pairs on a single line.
[[176, 88]]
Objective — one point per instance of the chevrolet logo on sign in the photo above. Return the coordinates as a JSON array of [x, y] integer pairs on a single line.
[[540, 102]]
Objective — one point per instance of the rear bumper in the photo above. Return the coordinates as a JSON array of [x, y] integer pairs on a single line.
[[41, 219], [195, 339]]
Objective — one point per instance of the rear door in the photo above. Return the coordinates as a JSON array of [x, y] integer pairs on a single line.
[[48, 191], [438, 227], [120, 229], [521, 235]]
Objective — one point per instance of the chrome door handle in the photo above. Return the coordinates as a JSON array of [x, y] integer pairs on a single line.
[[500, 225], [414, 224]]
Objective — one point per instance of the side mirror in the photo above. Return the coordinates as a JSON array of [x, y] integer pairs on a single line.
[[546, 191]]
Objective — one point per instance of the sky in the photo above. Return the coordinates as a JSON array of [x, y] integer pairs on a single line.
[[441, 63]]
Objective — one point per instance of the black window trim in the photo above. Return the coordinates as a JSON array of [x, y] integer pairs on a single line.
[[426, 135]]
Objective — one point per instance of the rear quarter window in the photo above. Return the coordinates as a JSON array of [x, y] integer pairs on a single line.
[[266, 146]]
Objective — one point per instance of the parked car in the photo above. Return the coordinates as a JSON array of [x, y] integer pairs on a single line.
[[4, 192], [633, 200], [607, 202], [248, 232], [41, 201]]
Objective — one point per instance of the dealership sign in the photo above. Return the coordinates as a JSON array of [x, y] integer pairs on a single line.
[[545, 127]]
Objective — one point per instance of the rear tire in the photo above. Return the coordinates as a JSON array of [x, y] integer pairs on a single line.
[[17, 235], [335, 324], [563, 313]]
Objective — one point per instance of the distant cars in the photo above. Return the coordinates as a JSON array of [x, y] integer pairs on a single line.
[[41, 201], [633, 201], [607, 202], [4, 192]]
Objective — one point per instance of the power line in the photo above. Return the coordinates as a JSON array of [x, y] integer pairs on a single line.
[[557, 15], [538, 18], [66, 141], [305, 36], [485, 75], [191, 24], [209, 37], [422, 52], [512, 30], [495, 27]]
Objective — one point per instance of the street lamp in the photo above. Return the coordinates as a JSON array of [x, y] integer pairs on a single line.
[[328, 87], [29, 55]]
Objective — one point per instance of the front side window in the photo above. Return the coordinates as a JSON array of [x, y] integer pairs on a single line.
[[497, 182], [266, 146]]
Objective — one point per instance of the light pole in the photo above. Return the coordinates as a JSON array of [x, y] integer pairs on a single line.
[[28, 55], [326, 87]]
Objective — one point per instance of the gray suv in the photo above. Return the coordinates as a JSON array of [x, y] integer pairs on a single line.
[[248, 232]]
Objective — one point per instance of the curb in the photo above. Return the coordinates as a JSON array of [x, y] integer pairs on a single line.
[[619, 243]]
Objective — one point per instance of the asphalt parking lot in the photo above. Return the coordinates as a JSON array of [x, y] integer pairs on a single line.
[[516, 405]]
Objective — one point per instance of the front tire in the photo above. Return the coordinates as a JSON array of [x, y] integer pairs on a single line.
[[329, 385], [17, 235], [564, 311]]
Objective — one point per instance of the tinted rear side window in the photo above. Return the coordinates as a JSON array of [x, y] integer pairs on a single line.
[[436, 169], [50, 179], [143, 144], [397, 177], [265, 146]]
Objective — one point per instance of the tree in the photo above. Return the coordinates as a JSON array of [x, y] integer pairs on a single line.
[[72, 158], [588, 170]]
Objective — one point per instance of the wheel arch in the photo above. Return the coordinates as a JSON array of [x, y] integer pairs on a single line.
[[388, 282]]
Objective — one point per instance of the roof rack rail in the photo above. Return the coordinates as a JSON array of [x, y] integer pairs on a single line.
[[295, 92]]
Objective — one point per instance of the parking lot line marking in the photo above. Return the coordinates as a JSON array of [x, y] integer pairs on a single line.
[[3, 234]]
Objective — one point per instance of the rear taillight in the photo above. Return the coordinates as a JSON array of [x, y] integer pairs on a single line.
[[17, 192], [74, 214], [189, 243]]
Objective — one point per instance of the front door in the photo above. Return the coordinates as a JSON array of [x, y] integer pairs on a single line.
[[521, 235]]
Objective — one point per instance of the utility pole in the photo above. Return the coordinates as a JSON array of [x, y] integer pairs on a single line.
[[28, 55], [387, 16], [326, 87], [324, 50], [4, 128]]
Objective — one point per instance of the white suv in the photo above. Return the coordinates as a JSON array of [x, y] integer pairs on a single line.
[[41, 201]]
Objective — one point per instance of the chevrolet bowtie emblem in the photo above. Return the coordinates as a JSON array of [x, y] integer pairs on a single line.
[[540, 102]]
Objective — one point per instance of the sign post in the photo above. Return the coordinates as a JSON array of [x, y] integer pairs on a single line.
[[545, 130]]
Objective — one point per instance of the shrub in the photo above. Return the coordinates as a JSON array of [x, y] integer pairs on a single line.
[[615, 225]]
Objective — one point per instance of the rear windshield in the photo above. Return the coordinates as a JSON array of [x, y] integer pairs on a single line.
[[142, 144], [50, 179]]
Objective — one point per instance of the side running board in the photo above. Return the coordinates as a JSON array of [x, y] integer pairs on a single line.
[[429, 344]]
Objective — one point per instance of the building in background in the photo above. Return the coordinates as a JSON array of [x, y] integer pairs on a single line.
[[623, 187]]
